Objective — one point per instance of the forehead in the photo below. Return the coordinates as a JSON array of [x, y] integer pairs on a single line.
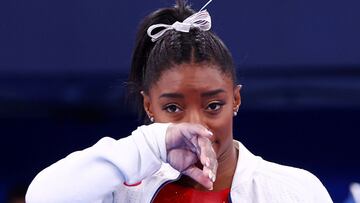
[[192, 77]]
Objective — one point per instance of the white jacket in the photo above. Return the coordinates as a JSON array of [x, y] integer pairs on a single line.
[[102, 174]]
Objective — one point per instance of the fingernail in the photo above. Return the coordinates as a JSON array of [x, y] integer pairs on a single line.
[[211, 188], [212, 176], [209, 132]]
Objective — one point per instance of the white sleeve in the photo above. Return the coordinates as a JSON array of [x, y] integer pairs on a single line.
[[90, 174]]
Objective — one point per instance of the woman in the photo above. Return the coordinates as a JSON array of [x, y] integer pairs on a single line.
[[183, 76]]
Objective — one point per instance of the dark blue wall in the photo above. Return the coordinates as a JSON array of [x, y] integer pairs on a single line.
[[98, 35], [63, 65]]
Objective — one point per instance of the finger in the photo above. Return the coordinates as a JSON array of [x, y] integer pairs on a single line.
[[199, 130], [181, 159], [196, 129], [192, 146], [208, 158], [196, 174], [205, 152], [191, 133], [213, 161], [176, 132], [208, 173]]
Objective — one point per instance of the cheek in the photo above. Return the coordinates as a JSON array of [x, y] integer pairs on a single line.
[[222, 129]]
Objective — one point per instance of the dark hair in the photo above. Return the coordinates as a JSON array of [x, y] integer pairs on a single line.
[[150, 59]]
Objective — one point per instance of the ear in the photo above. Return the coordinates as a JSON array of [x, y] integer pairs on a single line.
[[147, 104], [237, 97]]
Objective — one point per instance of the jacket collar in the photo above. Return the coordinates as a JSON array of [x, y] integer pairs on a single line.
[[245, 167]]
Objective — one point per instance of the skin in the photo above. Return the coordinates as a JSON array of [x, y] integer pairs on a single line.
[[199, 94]]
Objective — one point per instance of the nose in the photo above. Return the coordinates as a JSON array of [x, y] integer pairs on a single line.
[[195, 116]]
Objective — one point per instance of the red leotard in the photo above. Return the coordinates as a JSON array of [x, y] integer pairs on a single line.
[[174, 193]]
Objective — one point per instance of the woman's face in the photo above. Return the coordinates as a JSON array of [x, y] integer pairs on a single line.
[[196, 93]]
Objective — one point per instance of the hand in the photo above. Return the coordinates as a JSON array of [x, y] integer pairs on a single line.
[[186, 144]]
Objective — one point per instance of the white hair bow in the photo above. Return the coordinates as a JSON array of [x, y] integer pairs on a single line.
[[201, 20]]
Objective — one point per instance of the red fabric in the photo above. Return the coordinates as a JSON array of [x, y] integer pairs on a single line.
[[132, 185], [178, 194]]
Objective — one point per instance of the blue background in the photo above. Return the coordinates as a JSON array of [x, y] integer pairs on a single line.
[[63, 65]]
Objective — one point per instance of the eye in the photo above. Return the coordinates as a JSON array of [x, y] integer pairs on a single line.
[[172, 108], [214, 106]]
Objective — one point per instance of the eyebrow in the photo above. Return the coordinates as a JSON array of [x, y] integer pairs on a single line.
[[212, 93], [181, 96], [172, 95]]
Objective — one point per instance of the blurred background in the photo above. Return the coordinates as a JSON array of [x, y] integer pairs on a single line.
[[63, 65]]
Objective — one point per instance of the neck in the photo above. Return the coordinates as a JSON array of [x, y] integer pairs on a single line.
[[226, 169]]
